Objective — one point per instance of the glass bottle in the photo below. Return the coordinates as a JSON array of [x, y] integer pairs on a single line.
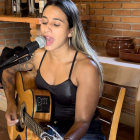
[[41, 6], [36, 8], [24, 8], [14, 7], [31, 8]]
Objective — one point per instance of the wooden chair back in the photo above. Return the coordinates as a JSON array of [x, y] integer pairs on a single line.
[[109, 109]]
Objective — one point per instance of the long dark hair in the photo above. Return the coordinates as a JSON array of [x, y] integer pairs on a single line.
[[78, 40]]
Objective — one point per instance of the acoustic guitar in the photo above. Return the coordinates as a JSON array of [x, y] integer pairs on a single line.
[[34, 106]]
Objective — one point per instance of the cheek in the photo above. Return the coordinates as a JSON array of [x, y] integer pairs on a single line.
[[63, 32], [61, 36]]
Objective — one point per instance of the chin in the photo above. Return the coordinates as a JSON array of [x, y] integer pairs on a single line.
[[48, 48]]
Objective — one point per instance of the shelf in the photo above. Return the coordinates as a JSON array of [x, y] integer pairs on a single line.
[[19, 19], [31, 20]]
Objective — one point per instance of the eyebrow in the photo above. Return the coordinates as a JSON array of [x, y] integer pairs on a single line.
[[53, 18]]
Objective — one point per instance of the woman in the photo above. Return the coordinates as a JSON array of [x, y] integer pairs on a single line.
[[68, 68]]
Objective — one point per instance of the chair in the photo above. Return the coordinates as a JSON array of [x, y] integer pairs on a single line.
[[109, 109]]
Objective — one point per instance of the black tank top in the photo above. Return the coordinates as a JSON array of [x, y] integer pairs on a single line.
[[63, 95]]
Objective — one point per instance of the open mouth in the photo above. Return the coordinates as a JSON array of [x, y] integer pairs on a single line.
[[49, 41]]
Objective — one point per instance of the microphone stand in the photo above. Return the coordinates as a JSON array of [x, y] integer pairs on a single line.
[[19, 61]]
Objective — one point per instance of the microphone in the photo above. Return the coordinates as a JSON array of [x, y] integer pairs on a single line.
[[39, 42]]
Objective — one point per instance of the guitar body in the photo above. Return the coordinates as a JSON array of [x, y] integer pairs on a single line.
[[37, 103]]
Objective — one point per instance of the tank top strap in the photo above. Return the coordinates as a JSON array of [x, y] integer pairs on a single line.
[[72, 64], [42, 59]]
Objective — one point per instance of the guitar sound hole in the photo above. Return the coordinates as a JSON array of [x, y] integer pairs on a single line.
[[18, 137], [19, 128]]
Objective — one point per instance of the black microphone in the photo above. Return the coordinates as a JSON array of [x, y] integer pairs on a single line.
[[39, 42]]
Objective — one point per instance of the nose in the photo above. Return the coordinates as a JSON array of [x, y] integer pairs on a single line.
[[48, 28]]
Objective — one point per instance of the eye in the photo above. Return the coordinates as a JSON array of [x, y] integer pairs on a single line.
[[45, 23], [56, 25]]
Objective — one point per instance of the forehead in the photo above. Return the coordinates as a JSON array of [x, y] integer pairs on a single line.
[[54, 12]]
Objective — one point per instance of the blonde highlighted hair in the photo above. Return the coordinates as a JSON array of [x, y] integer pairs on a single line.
[[78, 40]]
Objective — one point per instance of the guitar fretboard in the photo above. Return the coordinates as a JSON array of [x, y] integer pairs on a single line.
[[32, 125]]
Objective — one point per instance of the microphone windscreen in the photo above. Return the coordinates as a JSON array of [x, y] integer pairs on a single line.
[[41, 41]]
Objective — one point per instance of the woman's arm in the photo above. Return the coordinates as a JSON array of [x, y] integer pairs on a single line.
[[86, 99], [8, 82]]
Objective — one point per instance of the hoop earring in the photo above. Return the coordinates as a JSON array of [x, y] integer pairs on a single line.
[[69, 41]]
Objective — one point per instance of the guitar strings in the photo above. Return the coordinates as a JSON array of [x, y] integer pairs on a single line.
[[33, 125]]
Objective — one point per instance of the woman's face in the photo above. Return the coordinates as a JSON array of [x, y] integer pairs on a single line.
[[55, 28]]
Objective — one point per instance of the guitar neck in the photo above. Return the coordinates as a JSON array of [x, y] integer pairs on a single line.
[[32, 125]]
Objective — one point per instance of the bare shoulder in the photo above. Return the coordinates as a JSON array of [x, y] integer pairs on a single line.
[[39, 52], [85, 64], [86, 68], [37, 56]]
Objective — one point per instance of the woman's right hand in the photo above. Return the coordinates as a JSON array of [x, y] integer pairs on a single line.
[[11, 114]]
